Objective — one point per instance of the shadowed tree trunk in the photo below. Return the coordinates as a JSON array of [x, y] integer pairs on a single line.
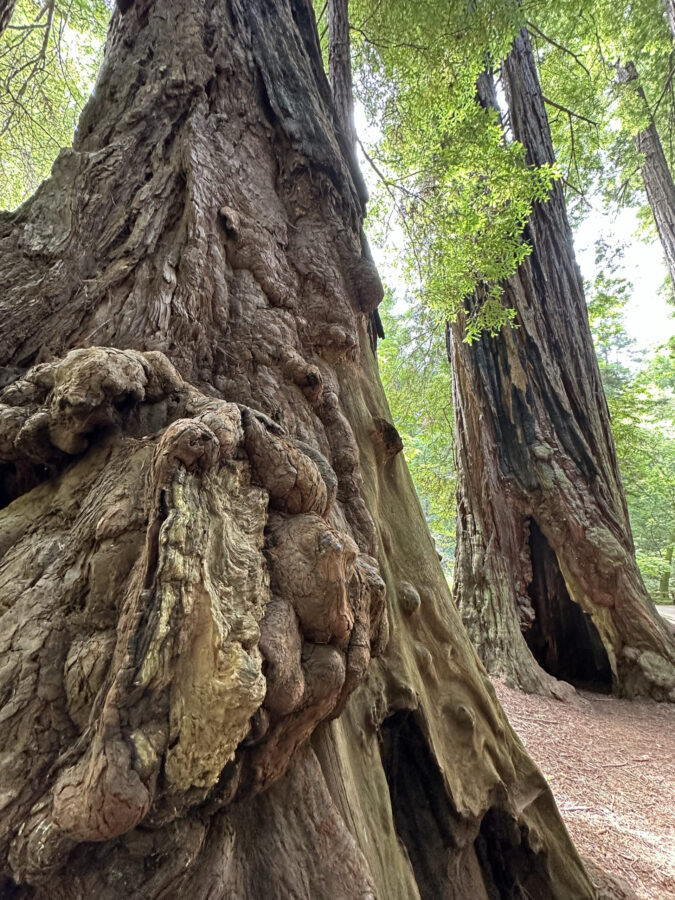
[[656, 175], [204, 506], [6, 12], [545, 573], [340, 67]]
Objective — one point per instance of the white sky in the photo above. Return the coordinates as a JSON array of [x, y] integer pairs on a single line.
[[648, 318]]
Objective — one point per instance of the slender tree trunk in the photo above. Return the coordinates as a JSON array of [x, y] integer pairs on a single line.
[[656, 176], [6, 13], [546, 577], [664, 582], [203, 507], [340, 67], [340, 73], [670, 14]]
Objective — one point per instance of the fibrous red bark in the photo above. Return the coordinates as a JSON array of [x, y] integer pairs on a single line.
[[545, 575], [204, 507]]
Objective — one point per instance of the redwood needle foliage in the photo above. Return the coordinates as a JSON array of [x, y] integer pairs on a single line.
[[458, 192]]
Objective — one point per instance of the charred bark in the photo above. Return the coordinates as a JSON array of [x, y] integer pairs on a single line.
[[656, 176], [545, 555], [203, 512]]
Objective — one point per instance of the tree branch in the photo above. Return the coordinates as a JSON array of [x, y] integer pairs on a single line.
[[532, 27], [389, 189], [568, 112]]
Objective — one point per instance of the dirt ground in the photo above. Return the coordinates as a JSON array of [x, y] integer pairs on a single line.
[[611, 766]]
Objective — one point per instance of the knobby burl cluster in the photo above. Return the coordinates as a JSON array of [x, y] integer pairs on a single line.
[[185, 602]]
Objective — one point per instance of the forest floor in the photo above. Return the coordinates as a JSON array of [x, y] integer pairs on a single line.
[[611, 766]]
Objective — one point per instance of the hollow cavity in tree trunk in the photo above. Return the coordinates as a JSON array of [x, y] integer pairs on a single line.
[[562, 637], [452, 857]]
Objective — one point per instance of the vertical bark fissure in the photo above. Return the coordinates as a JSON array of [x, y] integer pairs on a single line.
[[534, 442]]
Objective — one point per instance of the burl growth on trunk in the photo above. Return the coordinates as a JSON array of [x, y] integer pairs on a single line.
[[197, 632]]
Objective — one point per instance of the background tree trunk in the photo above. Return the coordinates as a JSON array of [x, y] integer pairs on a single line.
[[203, 506], [664, 581], [6, 13], [670, 14], [340, 67], [656, 176], [545, 574]]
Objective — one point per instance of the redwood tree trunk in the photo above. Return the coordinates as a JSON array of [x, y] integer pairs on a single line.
[[6, 13], [656, 177], [670, 14], [203, 507], [664, 581], [546, 577], [340, 67]]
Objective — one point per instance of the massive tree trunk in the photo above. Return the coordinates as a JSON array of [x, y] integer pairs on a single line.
[[203, 506], [546, 577], [656, 175]]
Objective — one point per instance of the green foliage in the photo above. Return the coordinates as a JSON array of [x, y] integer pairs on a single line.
[[416, 376], [49, 56], [593, 112], [641, 397], [459, 193]]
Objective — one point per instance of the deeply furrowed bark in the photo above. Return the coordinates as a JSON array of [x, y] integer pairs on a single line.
[[546, 576], [203, 506]]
